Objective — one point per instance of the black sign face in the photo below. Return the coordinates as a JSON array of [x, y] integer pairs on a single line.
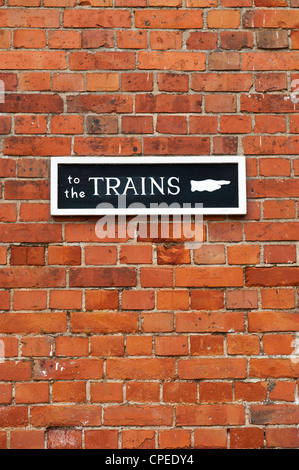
[[151, 185]]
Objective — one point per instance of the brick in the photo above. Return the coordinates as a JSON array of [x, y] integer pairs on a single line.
[[68, 369], [274, 414], [34, 212], [278, 298], [223, 19], [250, 391], [243, 254], [35, 60], [270, 82], [168, 19], [172, 82], [81, 18], [93, 39], [32, 277], [74, 392], [66, 415], [210, 438], [30, 124], [214, 392], [138, 300], [156, 277], [28, 300], [101, 439], [143, 392], [5, 39], [36, 18], [138, 415], [64, 40], [280, 254], [173, 255], [102, 124], [31, 39], [209, 277], [224, 61], [107, 146], [235, 124], [272, 321], [68, 82], [106, 60], [243, 344], [278, 344], [272, 368], [269, 60], [37, 346], [212, 368], [104, 322], [102, 81], [163, 40], [138, 439], [209, 322], [272, 39], [225, 145], [176, 145], [172, 125], [283, 391], [269, 19], [139, 345], [32, 393], [64, 438], [269, 125], [13, 416], [32, 323], [171, 346], [251, 438], [210, 415], [27, 439], [137, 124], [131, 39], [168, 60], [203, 124], [242, 299], [179, 392], [236, 40], [71, 346], [138, 368], [206, 300], [5, 393], [175, 439], [221, 82], [210, 254], [27, 255], [173, 300], [136, 254], [288, 439], [202, 41], [8, 213], [157, 322], [101, 299], [10, 346], [137, 81], [107, 346], [206, 345], [32, 103]]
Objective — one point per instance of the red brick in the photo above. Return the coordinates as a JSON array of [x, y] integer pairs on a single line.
[[8, 213], [202, 41], [98, 277], [209, 277], [143, 392], [37, 146], [37, 346], [215, 392], [107, 346], [138, 415], [138, 439], [221, 82], [101, 439], [272, 321], [102, 82], [278, 298], [27, 439], [157, 322], [28, 300], [270, 82], [138, 300], [65, 299], [131, 39], [93, 39], [225, 145], [175, 439], [71, 346], [130, 254], [269, 125], [163, 40], [212, 368], [251, 438], [104, 322], [81, 18], [101, 299], [168, 60], [139, 345], [107, 60], [206, 300], [69, 392], [137, 124], [31, 18], [30, 124], [179, 392], [250, 391], [241, 299], [168, 19], [106, 392], [210, 438], [274, 414], [31, 39], [210, 415], [243, 254], [269, 19], [172, 125], [236, 40], [27, 255], [203, 124], [67, 125], [283, 391], [173, 300], [243, 344], [64, 40], [137, 81], [32, 322], [280, 254], [32, 392], [289, 438], [64, 439], [138, 368], [235, 124], [66, 415], [102, 124], [271, 277], [209, 322], [273, 368], [34, 81], [156, 277], [13, 416], [5, 393], [68, 369], [278, 344], [172, 346], [173, 255], [206, 345]]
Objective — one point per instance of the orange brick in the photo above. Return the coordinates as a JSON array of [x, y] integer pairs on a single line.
[[67, 125], [107, 346], [29, 300], [135, 254], [69, 392], [215, 392], [251, 391], [32, 39], [101, 439], [282, 391], [210, 438], [171, 346], [206, 345], [65, 299], [278, 344], [37, 346], [27, 439], [69, 255], [32, 392], [278, 298], [179, 392], [97, 255], [102, 82], [101, 299], [139, 345], [240, 254], [173, 300], [71, 346], [68, 82], [243, 344], [145, 392], [138, 439], [175, 439], [207, 300]]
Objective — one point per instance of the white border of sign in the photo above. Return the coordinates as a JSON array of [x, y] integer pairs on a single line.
[[241, 209]]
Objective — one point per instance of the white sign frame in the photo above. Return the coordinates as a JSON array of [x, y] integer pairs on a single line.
[[240, 210]]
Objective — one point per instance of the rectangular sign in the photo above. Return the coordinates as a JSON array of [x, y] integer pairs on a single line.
[[147, 185]]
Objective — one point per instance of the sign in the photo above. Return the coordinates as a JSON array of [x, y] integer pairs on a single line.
[[147, 185]]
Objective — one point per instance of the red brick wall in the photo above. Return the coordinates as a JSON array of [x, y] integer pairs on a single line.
[[148, 344]]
